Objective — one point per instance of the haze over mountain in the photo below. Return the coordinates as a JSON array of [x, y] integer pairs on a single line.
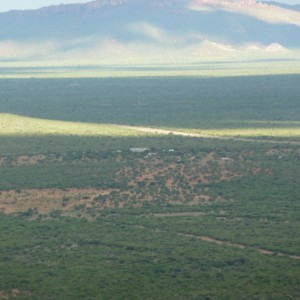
[[133, 30]]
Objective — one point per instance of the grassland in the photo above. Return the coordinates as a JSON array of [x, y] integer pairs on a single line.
[[204, 103], [14, 125], [168, 67], [84, 217]]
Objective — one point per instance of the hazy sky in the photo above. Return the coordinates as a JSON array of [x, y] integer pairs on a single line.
[[6, 5]]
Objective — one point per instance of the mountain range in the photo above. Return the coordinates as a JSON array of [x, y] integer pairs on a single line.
[[132, 30]]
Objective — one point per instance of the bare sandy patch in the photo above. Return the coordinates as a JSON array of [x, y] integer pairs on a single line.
[[269, 252], [220, 242], [209, 157], [282, 151], [241, 246], [28, 159], [14, 293], [180, 214], [213, 240]]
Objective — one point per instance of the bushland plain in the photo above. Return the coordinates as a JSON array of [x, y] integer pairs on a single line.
[[93, 207]]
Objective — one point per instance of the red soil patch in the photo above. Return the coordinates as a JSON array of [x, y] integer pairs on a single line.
[[174, 179], [47, 200]]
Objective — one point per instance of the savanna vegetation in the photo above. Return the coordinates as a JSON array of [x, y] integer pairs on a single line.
[[94, 209]]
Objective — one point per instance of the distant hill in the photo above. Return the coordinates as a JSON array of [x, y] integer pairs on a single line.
[[102, 29]]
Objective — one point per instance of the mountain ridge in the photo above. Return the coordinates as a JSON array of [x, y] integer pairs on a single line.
[[140, 27]]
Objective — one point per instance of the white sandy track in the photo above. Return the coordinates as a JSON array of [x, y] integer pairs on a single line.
[[199, 135], [241, 246]]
